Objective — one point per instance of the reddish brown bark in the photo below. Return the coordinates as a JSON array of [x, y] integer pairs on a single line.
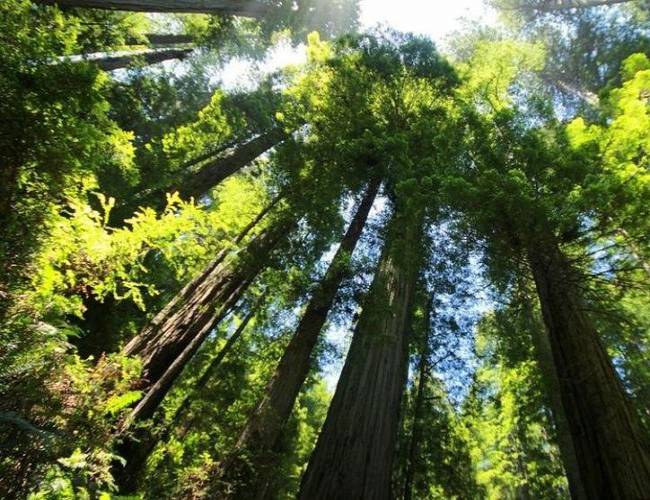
[[167, 343], [355, 450], [214, 172], [544, 358], [136, 449], [253, 8], [265, 425], [175, 340], [610, 447]]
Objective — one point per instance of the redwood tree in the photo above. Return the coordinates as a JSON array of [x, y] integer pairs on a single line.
[[112, 62], [265, 425], [518, 201], [205, 177], [355, 449], [253, 9], [170, 340]]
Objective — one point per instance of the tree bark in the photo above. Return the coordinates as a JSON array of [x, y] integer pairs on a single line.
[[136, 449], [199, 182], [254, 9], [544, 356], [162, 39], [111, 63], [354, 454], [183, 333], [137, 343], [611, 449], [172, 337], [258, 441], [214, 365]]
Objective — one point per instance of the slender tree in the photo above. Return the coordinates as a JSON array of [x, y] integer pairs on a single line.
[[112, 63], [300, 16], [136, 449], [521, 223], [264, 427], [509, 430], [544, 356], [255, 9], [610, 445], [423, 369], [163, 39], [212, 173]]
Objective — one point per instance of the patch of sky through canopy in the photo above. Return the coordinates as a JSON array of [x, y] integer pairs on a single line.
[[434, 19]]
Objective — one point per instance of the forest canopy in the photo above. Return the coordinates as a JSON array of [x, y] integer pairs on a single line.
[[397, 268]]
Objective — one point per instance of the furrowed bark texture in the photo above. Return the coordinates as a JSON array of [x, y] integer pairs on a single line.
[[265, 426], [211, 174], [181, 334], [199, 306], [138, 343], [111, 63], [136, 449], [354, 454], [240, 8], [611, 449]]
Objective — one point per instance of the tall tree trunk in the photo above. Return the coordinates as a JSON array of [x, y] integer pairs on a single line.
[[199, 182], [162, 39], [544, 357], [256, 445], [354, 454], [172, 337], [137, 343], [183, 331], [254, 9], [417, 431], [562, 5], [611, 449], [111, 63], [136, 449]]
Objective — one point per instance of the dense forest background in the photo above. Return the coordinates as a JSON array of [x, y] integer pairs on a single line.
[[185, 268]]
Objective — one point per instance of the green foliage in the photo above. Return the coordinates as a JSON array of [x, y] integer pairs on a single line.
[[494, 67], [442, 467], [61, 481], [93, 244], [55, 131], [620, 150], [507, 423], [211, 127]]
